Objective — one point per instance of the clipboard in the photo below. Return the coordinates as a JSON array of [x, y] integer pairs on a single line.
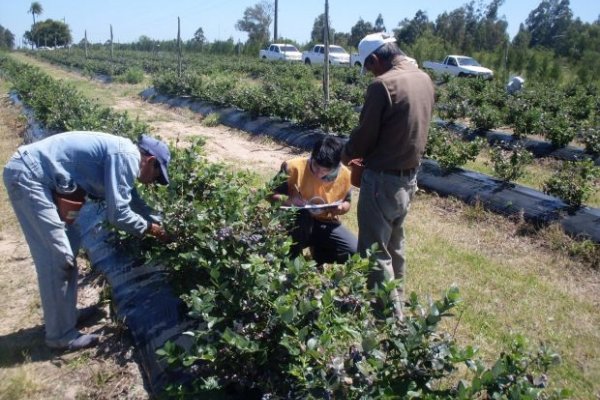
[[313, 206]]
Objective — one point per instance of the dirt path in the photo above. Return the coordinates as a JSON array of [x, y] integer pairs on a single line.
[[223, 144]]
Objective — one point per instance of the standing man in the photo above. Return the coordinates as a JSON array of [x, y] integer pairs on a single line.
[[103, 166], [390, 139]]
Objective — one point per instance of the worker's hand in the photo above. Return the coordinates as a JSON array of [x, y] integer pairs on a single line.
[[159, 233], [341, 209], [356, 161], [297, 201]]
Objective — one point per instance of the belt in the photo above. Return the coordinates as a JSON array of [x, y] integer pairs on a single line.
[[400, 172]]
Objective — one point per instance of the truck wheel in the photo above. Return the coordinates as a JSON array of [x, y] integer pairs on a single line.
[[264, 57], [357, 64], [307, 61], [461, 74]]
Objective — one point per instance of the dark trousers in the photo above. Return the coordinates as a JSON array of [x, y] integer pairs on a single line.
[[330, 241]]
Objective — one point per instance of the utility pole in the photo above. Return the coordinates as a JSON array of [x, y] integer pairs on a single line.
[[111, 44], [275, 26], [326, 63], [179, 56], [85, 43]]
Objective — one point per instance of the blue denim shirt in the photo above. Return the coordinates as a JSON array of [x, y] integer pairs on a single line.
[[104, 165]]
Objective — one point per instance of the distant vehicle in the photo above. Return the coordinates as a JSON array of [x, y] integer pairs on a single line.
[[459, 66], [337, 55], [280, 51], [356, 61]]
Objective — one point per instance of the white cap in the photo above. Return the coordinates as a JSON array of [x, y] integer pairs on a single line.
[[372, 42]]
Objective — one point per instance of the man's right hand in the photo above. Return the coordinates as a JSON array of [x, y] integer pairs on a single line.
[[159, 233]]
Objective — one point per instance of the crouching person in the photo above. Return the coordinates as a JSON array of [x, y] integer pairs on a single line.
[[100, 165], [319, 179]]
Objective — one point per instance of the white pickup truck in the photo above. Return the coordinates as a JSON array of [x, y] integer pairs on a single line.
[[356, 61], [459, 66], [337, 55], [280, 51]]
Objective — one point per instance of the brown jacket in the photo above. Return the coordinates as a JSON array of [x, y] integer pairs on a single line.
[[394, 121]]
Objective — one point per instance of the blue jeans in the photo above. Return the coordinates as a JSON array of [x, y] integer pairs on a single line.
[[53, 246], [383, 204]]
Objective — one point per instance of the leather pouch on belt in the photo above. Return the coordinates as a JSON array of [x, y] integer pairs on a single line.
[[69, 204], [356, 170]]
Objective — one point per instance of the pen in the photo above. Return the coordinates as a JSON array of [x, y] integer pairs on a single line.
[[298, 190]]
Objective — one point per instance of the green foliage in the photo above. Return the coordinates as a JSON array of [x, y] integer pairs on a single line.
[[7, 38], [49, 33], [285, 328], [591, 138], [449, 150], [485, 117], [132, 76], [574, 182], [507, 379], [212, 119], [510, 165], [60, 107], [558, 129]]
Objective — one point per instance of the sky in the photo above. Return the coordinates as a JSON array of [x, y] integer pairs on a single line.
[[157, 19]]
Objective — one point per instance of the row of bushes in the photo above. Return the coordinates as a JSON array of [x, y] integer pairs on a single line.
[[574, 182], [60, 107], [291, 99], [561, 114], [274, 327]]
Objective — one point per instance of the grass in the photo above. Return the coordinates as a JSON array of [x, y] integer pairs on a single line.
[[212, 119], [510, 282], [18, 384]]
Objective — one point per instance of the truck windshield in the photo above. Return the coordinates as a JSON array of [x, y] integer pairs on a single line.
[[288, 48], [336, 49], [468, 61]]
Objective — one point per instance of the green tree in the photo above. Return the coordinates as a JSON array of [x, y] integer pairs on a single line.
[[199, 36], [256, 22], [549, 23], [49, 33], [198, 41], [318, 30], [7, 39], [379, 25], [342, 39], [223, 47], [408, 31], [473, 27], [35, 9], [359, 31]]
